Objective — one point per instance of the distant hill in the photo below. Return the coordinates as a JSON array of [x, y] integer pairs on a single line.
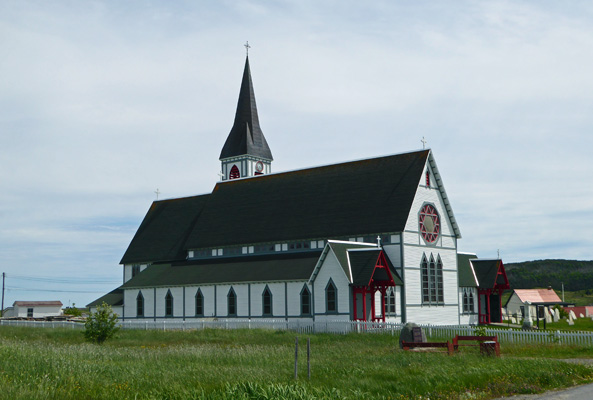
[[576, 275]]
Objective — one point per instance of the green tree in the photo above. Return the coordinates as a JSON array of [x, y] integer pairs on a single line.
[[101, 324], [72, 311]]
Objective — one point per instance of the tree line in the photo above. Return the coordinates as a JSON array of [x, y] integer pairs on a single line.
[[576, 275]]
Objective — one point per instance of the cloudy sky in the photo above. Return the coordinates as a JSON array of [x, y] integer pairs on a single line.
[[103, 102]]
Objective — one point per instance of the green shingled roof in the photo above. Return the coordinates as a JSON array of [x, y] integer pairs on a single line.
[[357, 198], [361, 197], [487, 273], [363, 264], [465, 270], [340, 249], [268, 268], [162, 234], [113, 298]]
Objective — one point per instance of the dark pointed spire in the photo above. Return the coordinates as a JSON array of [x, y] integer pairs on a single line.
[[246, 137]]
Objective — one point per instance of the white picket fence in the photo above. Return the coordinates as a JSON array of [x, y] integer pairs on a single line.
[[337, 327]]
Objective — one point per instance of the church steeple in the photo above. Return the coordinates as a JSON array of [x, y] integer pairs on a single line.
[[245, 152]]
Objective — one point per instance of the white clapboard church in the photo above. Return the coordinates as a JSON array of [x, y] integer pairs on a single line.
[[370, 240]]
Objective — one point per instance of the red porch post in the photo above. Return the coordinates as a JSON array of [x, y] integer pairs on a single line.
[[355, 311], [364, 303], [488, 307], [373, 313], [383, 292]]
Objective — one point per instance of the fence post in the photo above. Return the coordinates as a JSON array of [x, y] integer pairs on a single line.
[[296, 357], [309, 358]]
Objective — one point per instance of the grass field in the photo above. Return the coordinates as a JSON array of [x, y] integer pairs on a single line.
[[241, 364]]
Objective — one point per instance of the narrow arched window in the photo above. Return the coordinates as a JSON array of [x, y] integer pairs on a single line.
[[169, 304], [199, 304], [465, 303], [432, 272], [231, 303], [390, 302], [331, 297], [439, 282], [425, 281], [305, 301], [427, 178], [267, 302], [234, 173], [139, 305]]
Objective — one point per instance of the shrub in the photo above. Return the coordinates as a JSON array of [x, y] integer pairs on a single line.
[[101, 324], [561, 310], [73, 311]]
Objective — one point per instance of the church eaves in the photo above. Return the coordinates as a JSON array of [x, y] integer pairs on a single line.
[[246, 136]]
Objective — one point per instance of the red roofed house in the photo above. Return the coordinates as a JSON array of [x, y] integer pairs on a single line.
[[535, 297]]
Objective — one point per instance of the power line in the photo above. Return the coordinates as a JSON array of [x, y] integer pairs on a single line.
[[60, 280], [21, 289]]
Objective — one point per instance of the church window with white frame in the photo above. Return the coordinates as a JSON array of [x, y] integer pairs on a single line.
[[432, 281], [305, 301], [232, 303], [331, 298], [169, 304], [267, 302], [199, 304], [140, 305], [468, 301], [390, 309]]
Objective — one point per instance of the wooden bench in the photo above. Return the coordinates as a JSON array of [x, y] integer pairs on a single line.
[[412, 345], [485, 347]]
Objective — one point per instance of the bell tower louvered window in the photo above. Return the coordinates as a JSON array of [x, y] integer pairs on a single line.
[[234, 173]]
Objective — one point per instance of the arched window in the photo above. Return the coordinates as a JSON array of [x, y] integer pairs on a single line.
[[199, 304], [439, 282], [390, 302], [331, 298], [169, 304], [234, 173], [433, 284], [465, 302], [140, 305], [231, 303], [427, 178], [267, 302], [432, 281], [305, 301]]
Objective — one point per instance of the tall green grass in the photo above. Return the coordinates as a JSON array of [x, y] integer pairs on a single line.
[[249, 364]]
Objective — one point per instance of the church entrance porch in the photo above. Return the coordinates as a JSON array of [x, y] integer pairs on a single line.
[[372, 277], [492, 282]]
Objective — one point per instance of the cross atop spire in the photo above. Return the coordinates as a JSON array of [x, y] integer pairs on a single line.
[[247, 47]]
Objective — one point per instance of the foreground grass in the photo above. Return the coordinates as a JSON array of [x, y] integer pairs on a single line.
[[218, 364]]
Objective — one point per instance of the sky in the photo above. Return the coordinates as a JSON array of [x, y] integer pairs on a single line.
[[103, 102]]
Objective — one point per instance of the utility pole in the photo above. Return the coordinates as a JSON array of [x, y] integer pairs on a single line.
[[2, 309]]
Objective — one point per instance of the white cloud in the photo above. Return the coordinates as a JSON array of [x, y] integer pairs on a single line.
[[103, 102]]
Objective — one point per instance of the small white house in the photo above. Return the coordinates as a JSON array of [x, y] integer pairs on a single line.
[[535, 299], [34, 309]]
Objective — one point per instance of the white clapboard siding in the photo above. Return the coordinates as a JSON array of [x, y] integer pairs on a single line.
[[294, 297], [331, 269], [433, 315]]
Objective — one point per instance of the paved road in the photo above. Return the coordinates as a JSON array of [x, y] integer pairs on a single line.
[[584, 392]]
